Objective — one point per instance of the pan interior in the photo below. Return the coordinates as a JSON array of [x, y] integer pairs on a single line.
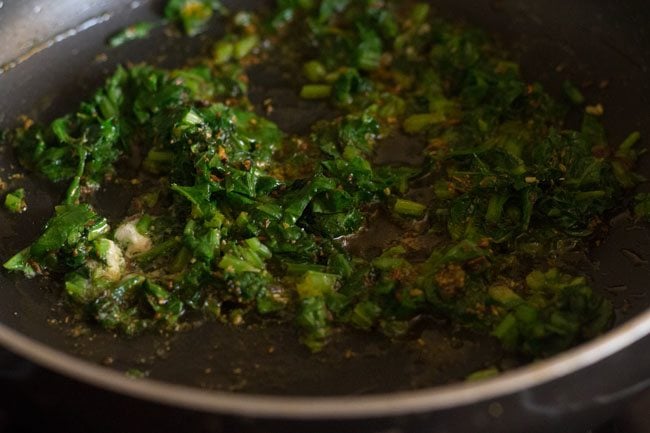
[[267, 358]]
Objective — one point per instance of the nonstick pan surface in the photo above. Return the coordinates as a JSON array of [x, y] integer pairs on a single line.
[[589, 42]]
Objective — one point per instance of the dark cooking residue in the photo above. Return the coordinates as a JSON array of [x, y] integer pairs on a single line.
[[234, 217]]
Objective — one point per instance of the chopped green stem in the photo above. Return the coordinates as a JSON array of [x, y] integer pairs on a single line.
[[572, 92], [315, 91], [73, 192], [314, 71], [409, 208], [15, 201]]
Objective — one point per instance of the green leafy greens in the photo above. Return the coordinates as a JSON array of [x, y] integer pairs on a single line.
[[233, 221]]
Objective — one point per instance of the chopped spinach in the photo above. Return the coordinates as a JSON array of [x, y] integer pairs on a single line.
[[247, 219]]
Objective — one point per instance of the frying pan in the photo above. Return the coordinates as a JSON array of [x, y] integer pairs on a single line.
[[259, 378]]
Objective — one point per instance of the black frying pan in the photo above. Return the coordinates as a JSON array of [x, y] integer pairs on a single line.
[[588, 41]]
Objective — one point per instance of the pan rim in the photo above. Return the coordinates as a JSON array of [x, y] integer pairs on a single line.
[[330, 407]]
